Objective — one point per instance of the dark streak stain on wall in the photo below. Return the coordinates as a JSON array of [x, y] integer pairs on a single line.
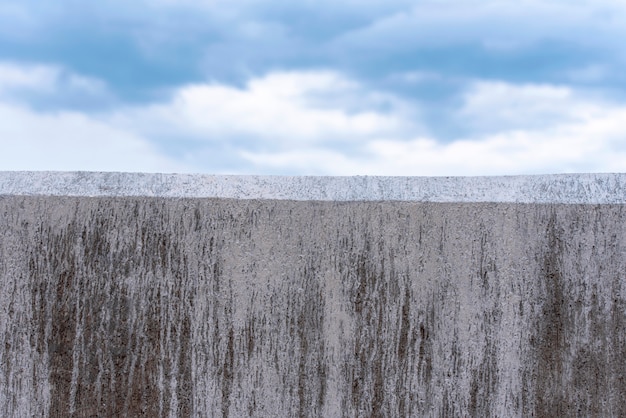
[[217, 307]]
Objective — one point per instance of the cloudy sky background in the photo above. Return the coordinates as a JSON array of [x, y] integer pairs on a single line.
[[390, 87]]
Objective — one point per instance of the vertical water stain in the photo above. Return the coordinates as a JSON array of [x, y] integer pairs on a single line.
[[228, 372], [616, 382], [552, 331], [61, 344], [405, 325], [484, 377], [307, 329], [105, 348]]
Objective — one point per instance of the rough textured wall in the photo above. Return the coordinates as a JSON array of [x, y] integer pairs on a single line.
[[151, 307]]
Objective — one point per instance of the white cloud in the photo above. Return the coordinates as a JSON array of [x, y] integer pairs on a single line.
[[532, 129], [316, 122], [498, 106], [73, 141], [307, 161], [525, 152], [35, 77], [561, 149], [65, 140], [19, 80], [288, 108]]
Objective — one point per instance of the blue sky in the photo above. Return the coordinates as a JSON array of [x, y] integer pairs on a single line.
[[392, 87]]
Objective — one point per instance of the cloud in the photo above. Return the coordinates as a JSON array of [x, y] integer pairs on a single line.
[[32, 139], [138, 49], [559, 150], [16, 77], [497, 106], [524, 129], [282, 108], [524, 41], [311, 122], [495, 23], [37, 84], [72, 141]]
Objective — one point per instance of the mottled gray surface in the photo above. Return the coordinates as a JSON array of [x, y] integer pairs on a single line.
[[136, 306], [556, 188]]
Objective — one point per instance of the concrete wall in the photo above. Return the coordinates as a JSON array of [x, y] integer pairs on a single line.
[[123, 305]]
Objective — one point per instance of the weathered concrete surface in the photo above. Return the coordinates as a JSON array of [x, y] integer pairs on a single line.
[[554, 188], [165, 306]]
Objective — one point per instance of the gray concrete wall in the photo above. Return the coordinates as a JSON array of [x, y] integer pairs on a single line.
[[122, 305]]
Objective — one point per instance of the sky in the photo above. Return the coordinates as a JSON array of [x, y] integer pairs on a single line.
[[302, 87]]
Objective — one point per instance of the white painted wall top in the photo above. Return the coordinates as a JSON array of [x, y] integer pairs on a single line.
[[556, 188]]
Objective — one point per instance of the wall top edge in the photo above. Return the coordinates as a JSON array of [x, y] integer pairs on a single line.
[[598, 188]]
